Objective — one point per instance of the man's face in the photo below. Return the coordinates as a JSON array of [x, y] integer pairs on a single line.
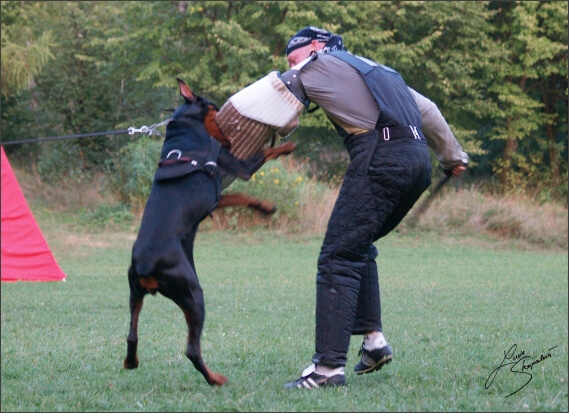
[[298, 55]]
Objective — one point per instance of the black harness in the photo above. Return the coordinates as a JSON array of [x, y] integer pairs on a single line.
[[178, 163], [188, 147]]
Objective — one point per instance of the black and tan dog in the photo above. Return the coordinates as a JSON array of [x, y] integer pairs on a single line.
[[186, 189]]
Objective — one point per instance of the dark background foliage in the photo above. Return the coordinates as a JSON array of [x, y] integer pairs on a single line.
[[497, 70]]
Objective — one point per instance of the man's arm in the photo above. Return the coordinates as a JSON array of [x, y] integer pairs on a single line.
[[439, 136]]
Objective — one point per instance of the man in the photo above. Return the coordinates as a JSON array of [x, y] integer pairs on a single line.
[[387, 128]]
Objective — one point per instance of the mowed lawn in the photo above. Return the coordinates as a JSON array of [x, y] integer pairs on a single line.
[[454, 312]]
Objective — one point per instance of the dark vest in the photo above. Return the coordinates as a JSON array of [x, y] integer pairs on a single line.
[[397, 107]]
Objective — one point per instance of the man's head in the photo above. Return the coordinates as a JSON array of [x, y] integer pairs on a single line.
[[311, 40]]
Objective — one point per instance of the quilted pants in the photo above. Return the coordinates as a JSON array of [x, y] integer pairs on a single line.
[[383, 181]]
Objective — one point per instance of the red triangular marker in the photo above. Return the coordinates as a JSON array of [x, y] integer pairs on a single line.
[[25, 253]]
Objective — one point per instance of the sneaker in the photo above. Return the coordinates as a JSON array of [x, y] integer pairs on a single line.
[[373, 360], [312, 380]]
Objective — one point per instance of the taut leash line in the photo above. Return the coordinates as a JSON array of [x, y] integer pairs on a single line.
[[148, 130], [58, 138]]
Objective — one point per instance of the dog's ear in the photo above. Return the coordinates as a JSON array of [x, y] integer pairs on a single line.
[[185, 91]]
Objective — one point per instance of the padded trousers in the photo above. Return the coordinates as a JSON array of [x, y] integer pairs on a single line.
[[381, 185]]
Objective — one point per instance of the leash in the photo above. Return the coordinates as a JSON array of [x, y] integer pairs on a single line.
[[425, 204], [148, 130], [436, 189]]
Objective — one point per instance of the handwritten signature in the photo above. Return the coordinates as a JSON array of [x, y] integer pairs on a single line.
[[514, 359]]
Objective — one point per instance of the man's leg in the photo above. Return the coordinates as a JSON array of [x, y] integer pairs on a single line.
[[375, 350], [341, 265], [368, 311]]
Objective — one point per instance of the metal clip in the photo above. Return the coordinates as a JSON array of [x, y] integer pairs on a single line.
[[415, 133], [144, 129], [211, 167], [174, 151], [149, 130]]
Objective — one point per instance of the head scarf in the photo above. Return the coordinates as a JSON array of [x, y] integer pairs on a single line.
[[310, 33]]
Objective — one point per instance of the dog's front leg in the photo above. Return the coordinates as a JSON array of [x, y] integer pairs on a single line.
[[284, 149], [245, 168]]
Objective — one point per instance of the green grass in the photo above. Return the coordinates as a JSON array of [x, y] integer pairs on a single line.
[[451, 308]]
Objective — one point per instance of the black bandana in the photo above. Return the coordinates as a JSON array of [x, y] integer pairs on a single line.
[[308, 34]]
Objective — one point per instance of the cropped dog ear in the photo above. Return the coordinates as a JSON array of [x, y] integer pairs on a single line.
[[185, 91]]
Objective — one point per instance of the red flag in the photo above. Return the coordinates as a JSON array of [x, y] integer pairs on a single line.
[[25, 253]]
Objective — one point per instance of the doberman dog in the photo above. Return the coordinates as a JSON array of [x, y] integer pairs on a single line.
[[186, 189]]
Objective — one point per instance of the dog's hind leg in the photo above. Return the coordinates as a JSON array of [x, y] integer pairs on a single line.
[[193, 351], [135, 303], [187, 293], [239, 199], [184, 289], [131, 360]]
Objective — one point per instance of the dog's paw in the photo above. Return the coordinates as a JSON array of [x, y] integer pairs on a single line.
[[217, 379], [287, 148], [130, 364], [267, 208]]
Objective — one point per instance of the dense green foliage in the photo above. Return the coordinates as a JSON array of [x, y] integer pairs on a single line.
[[132, 169], [497, 71]]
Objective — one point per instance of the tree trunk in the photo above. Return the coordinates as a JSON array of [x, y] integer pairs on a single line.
[[551, 131], [507, 156]]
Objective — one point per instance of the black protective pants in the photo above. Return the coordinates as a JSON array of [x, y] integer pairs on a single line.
[[383, 181]]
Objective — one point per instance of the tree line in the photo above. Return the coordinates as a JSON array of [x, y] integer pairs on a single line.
[[497, 70]]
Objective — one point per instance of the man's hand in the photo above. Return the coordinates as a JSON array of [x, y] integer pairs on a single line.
[[457, 170]]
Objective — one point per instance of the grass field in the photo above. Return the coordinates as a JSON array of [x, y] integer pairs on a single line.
[[451, 307]]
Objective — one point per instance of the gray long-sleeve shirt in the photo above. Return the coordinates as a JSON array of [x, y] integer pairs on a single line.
[[340, 91]]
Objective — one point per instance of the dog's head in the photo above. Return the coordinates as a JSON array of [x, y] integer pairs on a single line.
[[203, 109]]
